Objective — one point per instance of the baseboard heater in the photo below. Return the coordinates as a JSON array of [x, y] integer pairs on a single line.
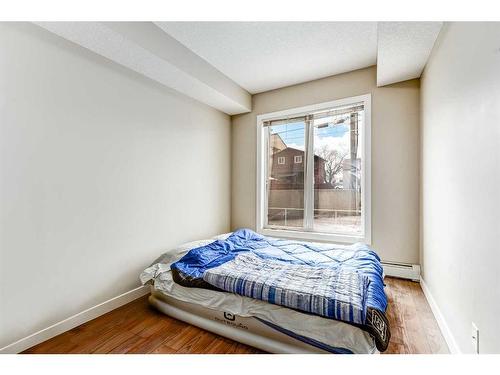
[[404, 271]]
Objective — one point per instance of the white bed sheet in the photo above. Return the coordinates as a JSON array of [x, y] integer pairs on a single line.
[[327, 331]]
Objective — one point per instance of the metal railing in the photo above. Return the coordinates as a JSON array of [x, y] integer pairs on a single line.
[[335, 212]]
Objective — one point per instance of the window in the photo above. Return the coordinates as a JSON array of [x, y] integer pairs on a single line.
[[325, 193]]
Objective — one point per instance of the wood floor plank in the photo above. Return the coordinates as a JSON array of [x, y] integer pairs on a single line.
[[164, 349], [113, 342], [127, 345], [222, 346], [198, 343], [152, 338], [183, 337], [138, 328]]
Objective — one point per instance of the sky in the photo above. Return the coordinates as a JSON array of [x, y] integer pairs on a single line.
[[334, 137]]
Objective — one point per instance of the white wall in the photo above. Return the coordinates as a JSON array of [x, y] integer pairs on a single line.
[[460, 164], [395, 145], [100, 170]]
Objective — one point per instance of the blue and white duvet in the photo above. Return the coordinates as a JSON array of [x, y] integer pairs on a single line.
[[338, 294], [338, 282]]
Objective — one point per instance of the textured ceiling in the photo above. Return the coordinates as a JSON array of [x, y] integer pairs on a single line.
[[261, 56], [403, 49], [219, 63], [146, 49]]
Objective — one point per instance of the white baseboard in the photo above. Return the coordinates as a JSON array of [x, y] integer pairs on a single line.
[[443, 326], [404, 271], [74, 321]]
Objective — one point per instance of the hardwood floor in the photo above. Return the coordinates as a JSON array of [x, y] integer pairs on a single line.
[[138, 328], [414, 329]]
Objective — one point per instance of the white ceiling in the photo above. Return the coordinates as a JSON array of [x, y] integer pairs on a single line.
[[146, 49], [219, 63], [403, 49], [261, 56]]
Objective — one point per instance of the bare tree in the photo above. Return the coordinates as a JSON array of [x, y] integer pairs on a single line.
[[333, 162]]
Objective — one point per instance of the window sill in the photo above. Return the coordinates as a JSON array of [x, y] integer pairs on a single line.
[[313, 236]]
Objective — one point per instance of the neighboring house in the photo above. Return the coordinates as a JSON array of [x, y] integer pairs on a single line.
[[287, 170]]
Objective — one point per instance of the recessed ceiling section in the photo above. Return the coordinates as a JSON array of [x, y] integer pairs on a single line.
[[403, 49], [262, 56], [146, 49], [222, 63]]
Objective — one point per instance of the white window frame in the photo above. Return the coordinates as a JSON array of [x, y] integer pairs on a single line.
[[297, 157], [280, 159], [261, 196]]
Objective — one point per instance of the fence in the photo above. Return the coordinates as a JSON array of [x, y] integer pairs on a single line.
[[339, 199], [288, 205]]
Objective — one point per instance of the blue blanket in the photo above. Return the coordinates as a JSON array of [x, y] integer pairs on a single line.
[[333, 293], [358, 258]]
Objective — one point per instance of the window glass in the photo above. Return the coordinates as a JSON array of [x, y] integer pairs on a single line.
[[337, 173], [313, 172], [285, 177]]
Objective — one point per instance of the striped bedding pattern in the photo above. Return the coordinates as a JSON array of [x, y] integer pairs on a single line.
[[333, 293], [359, 258]]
